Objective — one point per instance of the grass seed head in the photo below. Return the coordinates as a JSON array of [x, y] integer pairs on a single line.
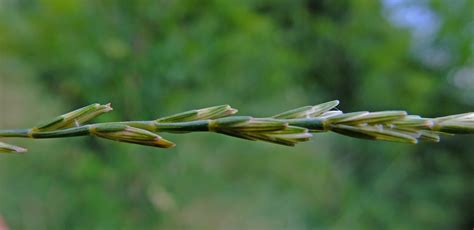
[[124, 133], [200, 114], [74, 118], [308, 111], [455, 124], [288, 128]]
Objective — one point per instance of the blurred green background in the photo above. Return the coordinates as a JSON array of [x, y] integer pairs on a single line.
[[152, 58]]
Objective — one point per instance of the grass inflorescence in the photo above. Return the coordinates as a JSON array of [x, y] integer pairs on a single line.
[[287, 128]]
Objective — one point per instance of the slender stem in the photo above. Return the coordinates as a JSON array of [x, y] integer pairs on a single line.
[[28, 133], [72, 132], [288, 128], [178, 127], [14, 133], [313, 124]]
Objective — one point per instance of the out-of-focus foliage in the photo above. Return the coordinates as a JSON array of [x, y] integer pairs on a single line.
[[154, 58]]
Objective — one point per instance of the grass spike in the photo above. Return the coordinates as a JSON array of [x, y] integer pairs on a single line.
[[288, 128]]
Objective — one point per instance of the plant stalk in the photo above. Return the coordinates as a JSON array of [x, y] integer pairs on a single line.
[[287, 128]]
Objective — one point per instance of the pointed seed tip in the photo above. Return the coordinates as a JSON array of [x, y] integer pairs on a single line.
[[165, 143], [170, 145], [109, 107], [22, 150]]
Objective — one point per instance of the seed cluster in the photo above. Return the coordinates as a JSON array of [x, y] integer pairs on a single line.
[[288, 128]]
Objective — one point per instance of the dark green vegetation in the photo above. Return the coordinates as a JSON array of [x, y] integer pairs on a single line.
[[153, 58]]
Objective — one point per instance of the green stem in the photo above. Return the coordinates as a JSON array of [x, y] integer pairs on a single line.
[[15, 133], [28, 133], [71, 132], [313, 124], [288, 128], [178, 127]]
